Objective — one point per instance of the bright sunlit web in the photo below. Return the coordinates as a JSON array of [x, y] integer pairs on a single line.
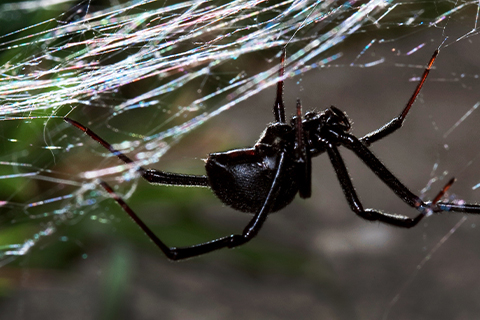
[[172, 67]]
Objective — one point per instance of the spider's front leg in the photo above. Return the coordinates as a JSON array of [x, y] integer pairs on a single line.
[[354, 144], [303, 159], [356, 205], [397, 122], [279, 106]]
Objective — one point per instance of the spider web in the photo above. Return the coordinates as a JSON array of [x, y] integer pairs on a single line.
[[84, 64], [143, 74]]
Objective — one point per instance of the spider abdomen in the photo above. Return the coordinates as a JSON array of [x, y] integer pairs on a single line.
[[243, 178]]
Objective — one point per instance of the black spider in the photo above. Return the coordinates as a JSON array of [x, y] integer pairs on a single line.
[[266, 177]]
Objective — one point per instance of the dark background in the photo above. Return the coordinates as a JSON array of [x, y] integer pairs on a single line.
[[313, 260]]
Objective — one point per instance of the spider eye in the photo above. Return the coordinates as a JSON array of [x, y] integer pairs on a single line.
[[342, 118], [310, 115]]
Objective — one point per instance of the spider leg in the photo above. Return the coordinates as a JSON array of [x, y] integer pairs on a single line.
[[364, 153], [457, 207], [151, 175], [397, 122], [354, 201], [279, 106], [231, 241], [354, 144], [452, 206], [303, 159]]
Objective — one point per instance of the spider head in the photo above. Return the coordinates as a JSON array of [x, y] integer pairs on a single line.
[[317, 126], [332, 118], [335, 118]]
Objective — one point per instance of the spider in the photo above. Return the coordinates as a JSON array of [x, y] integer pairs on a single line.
[[266, 177]]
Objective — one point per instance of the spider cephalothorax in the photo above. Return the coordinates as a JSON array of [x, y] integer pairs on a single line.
[[266, 177], [318, 126]]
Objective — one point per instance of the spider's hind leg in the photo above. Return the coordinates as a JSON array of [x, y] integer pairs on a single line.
[[151, 175], [234, 240], [397, 122]]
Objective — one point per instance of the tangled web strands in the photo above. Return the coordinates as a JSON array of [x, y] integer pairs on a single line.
[[177, 43], [69, 61]]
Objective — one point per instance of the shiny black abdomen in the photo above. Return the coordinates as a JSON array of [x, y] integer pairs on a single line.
[[242, 179]]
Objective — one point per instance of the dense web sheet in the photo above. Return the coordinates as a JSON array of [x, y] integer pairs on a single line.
[[192, 61]]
